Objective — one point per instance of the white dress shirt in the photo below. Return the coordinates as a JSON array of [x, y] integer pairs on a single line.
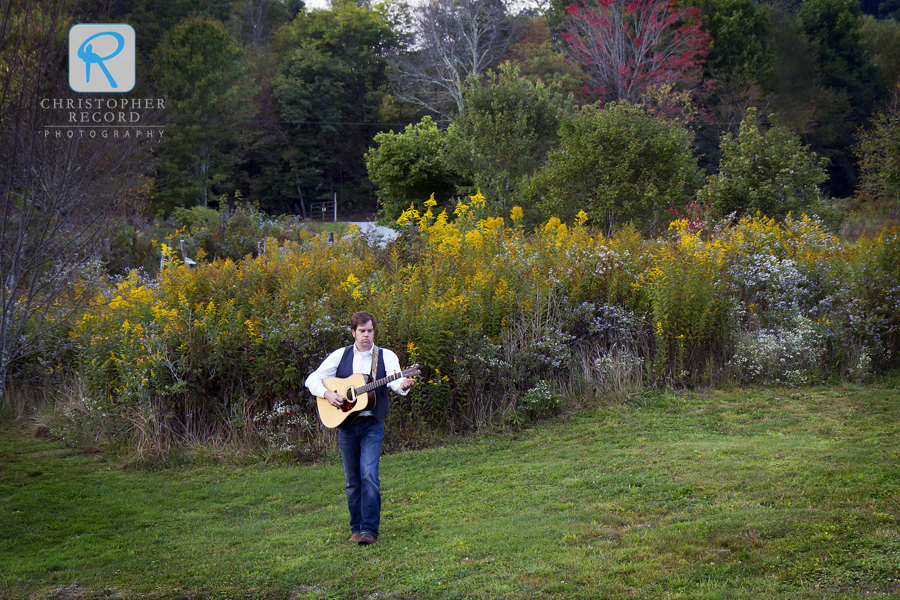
[[362, 363]]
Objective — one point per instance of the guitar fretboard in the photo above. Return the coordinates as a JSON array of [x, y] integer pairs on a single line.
[[379, 382]]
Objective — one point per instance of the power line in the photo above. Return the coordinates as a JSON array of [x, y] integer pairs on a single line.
[[376, 124]]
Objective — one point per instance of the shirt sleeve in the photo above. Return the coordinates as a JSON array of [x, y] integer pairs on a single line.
[[327, 369], [391, 366]]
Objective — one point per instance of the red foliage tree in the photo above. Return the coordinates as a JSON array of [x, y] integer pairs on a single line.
[[629, 47]]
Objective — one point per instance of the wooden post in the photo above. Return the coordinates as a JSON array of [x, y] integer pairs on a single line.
[[187, 261]]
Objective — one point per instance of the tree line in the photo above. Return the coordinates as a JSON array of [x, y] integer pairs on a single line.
[[290, 100], [280, 103]]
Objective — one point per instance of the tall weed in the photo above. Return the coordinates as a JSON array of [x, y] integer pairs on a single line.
[[492, 312]]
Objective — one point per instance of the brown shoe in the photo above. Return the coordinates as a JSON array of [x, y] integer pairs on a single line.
[[354, 538], [366, 538]]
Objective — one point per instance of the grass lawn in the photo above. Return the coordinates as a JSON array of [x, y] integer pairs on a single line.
[[749, 493]]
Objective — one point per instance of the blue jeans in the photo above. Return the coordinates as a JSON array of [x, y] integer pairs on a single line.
[[360, 446]]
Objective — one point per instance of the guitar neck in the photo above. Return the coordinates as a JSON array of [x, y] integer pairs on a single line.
[[379, 382]]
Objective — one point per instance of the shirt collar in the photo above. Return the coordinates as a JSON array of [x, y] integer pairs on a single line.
[[359, 352]]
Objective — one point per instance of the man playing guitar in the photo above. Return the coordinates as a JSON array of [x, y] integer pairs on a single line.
[[360, 433]]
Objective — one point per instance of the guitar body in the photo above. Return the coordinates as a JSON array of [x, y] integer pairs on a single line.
[[345, 386], [356, 390]]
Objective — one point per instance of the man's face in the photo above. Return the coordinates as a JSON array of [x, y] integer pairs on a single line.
[[364, 334]]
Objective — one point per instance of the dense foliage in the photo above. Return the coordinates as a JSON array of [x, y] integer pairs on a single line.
[[505, 321], [763, 171], [329, 90], [504, 133], [204, 78], [502, 137], [280, 102], [878, 149], [410, 167], [620, 163]]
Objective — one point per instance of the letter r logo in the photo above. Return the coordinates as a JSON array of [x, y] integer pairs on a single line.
[[101, 57]]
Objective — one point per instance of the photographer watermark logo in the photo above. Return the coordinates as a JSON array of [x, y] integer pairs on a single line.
[[101, 57]]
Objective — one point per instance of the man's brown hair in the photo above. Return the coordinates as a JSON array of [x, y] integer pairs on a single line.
[[361, 318]]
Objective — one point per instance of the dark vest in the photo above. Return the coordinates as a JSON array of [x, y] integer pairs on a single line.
[[382, 398]]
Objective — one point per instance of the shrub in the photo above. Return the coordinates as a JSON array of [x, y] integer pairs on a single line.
[[231, 232], [763, 171], [503, 134], [619, 163], [541, 401], [872, 300], [790, 355], [410, 167], [877, 151]]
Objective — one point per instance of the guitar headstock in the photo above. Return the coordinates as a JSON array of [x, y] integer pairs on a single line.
[[412, 371]]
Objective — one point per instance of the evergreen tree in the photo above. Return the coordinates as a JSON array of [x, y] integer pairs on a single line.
[[202, 73]]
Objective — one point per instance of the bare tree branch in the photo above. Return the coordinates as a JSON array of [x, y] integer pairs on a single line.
[[451, 40], [628, 47]]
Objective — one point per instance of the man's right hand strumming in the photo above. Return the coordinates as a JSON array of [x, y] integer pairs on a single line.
[[334, 399]]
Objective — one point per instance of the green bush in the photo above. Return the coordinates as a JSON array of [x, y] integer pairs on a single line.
[[409, 168], [619, 163], [877, 150], [763, 171], [541, 401]]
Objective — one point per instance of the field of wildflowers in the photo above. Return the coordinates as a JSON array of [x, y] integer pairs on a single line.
[[509, 324]]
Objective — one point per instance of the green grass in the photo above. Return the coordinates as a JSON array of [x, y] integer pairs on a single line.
[[751, 493]]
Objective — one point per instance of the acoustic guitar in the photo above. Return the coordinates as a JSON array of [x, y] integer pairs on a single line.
[[356, 390]]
